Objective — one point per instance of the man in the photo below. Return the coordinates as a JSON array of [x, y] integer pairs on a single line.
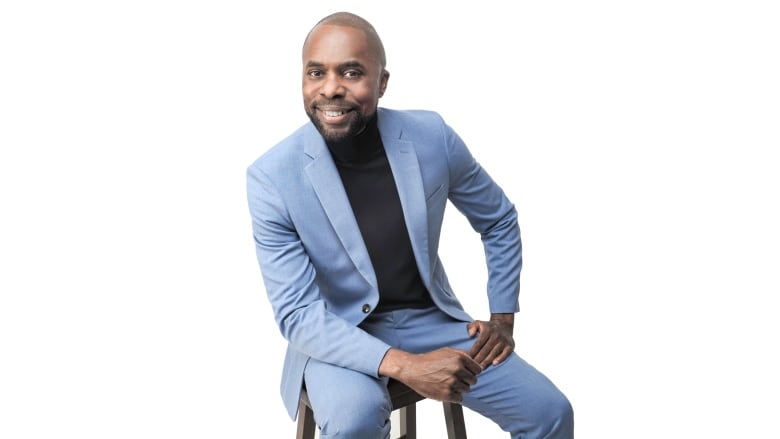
[[347, 215]]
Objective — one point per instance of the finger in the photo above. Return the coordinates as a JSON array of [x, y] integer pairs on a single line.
[[479, 342], [472, 329], [454, 397], [495, 351], [461, 387], [472, 367], [468, 365], [503, 356], [466, 377], [483, 356]]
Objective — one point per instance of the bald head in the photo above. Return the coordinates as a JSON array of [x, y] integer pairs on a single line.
[[349, 19]]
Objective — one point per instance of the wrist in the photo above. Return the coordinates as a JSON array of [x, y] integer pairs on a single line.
[[392, 364], [506, 320]]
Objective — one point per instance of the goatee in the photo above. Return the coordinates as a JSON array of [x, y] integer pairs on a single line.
[[356, 124]]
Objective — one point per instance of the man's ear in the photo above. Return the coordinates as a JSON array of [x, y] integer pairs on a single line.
[[383, 82]]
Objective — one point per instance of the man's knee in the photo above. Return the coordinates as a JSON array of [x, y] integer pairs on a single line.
[[354, 419], [347, 404], [558, 417], [352, 411]]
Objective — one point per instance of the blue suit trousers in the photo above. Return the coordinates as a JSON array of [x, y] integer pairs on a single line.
[[352, 405]]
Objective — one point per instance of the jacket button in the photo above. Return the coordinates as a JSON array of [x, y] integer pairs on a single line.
[[366, 308]]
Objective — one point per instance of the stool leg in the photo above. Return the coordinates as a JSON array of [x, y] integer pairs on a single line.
[[306, 424], [453, 417], [408, 417]]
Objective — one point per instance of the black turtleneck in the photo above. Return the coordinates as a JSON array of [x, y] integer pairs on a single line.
[[368, 181]]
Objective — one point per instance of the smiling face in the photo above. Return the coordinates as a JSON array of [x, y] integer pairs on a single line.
[[343, 79]]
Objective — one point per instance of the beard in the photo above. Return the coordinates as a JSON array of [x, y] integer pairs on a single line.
[[339, 135]]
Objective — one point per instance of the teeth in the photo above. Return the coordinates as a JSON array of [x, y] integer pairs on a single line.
[[333, 113]]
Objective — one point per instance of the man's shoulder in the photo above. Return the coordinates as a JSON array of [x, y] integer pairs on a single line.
[[412, 116], [290, 145], [423, 125]]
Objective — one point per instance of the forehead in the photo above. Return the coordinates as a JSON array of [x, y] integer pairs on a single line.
[[330, 43]]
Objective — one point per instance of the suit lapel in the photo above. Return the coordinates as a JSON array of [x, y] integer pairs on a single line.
[[327, 184], [408, 180]]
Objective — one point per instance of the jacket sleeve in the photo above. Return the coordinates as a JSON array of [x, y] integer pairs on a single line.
[[290, 282], [474, 193]]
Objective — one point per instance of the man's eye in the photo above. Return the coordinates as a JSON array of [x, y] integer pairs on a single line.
[[352, 74], [315, 73]]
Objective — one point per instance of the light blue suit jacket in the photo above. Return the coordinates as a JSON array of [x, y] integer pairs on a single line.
[[315, 266]]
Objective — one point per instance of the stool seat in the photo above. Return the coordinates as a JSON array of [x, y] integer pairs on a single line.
[[403, 399]]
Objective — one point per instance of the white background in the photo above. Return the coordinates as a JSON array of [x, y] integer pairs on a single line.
[[637, 139]]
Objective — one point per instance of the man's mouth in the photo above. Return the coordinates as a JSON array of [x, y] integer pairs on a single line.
[[333, 114]]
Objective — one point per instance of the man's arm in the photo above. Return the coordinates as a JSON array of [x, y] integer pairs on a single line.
[[474, 193], [490, 213]]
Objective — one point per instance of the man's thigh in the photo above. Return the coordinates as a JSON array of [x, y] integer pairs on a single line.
[[513, 394], [346, 403]]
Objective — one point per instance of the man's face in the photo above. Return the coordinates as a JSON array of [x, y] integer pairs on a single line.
[[342, 81]]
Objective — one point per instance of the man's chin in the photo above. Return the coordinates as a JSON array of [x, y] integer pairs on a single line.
[[336, 134]]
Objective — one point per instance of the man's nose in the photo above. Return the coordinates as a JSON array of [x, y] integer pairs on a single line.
[[332, 87]]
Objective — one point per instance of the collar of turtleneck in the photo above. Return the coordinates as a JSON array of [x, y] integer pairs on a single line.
[[361, 148]]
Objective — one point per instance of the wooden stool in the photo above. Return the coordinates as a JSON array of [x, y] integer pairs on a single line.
[[404, 399]]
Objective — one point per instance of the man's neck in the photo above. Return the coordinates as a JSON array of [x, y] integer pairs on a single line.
[[360, 148]]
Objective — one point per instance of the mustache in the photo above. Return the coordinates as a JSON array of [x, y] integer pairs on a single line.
[[332, 103]]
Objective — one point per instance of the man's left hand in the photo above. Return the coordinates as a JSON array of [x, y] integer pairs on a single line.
[[495, 341]]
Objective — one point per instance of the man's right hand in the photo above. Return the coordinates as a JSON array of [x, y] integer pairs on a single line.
[[444, 374]]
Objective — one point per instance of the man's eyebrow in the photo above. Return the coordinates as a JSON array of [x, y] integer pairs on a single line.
[[343, 65], [351, 64]]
